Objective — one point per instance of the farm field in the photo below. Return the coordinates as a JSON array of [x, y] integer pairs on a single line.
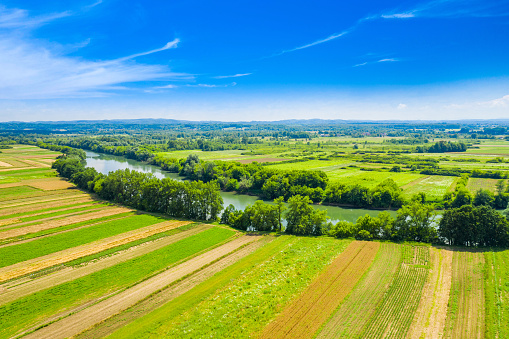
[[74, 266]]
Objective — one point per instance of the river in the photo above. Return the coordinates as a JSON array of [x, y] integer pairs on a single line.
[[105, 163]]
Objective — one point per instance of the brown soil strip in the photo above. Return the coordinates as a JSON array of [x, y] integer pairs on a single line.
[[155, 301], [4, 164], [358, 308], [42, 205], [303, 317], [50, 184], [429, 320], [16, 168], [37, 264], [106, 212], [79, 322], [12, 184], [19, 288]]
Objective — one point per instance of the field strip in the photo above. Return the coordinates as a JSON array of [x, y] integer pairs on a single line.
[[103, 212], [17, 242], [37, 264], [413, 183], [357, 309], [28, 286], [4, 164], [79, 322], [12, 184], [35, 163], [39, 212], [465, 316], [21, 167], [395, 313], [35, 200], [303, 317], [167, 294], [16, 223], [429, 320], [50, 184], [45, 205]]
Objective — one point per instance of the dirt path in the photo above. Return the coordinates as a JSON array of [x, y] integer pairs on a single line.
[[102, 212], [429, 320], [37, 264], [153, 302], [304, 316], [37, 206], [78, 322], [19, 288]]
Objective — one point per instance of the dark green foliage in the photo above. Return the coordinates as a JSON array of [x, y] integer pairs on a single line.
[[474, 226], [303, 219]]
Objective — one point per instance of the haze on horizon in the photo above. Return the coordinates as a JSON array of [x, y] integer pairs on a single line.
[[243, 61]]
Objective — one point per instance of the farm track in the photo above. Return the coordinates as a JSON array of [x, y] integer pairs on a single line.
[[429, 320], [394, 315], [79, 322], [19, 288], [168, 294], [303, 317], [36, 206], [466, 315], [357, 309], [73, 219], [37, 264]]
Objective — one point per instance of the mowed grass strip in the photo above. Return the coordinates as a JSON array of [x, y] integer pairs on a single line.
[[58, 258], [26, 312], [431, 314], [466, 314], [394, 315], [240, 300], [46, 210], [41, 206], [359, 306], [303, 317], [497, 293], [9, 193], [37, 248]]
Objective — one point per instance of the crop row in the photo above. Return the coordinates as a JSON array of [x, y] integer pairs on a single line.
[[34, 308], [242, 299], [358, 308], [394, 315]]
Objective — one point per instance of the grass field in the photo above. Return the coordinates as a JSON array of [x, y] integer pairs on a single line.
[[497, 293], [475, 184]]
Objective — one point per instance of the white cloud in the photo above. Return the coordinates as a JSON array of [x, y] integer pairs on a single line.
[[398, 15], [402, 106], [19, 18], [499, 102], [388, 60], [31, 70], [232, 76]]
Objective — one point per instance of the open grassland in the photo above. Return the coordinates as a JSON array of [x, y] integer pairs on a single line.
[[303, 317], [242, 299], [395, 313], [359, 306], [497, 293], [475, 184], [434, 186], [30, 310], [466, 314]]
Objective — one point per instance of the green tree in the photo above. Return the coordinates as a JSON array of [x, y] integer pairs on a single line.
[[280, 209]]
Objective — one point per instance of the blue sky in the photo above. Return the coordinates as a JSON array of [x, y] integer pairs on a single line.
[[254, 60]]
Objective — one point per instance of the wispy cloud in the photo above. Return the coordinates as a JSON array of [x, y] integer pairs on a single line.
[[376, 62], [97, 3], [31, 70], [172, 86], [232, 76], [19, 18], [435, 8]]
